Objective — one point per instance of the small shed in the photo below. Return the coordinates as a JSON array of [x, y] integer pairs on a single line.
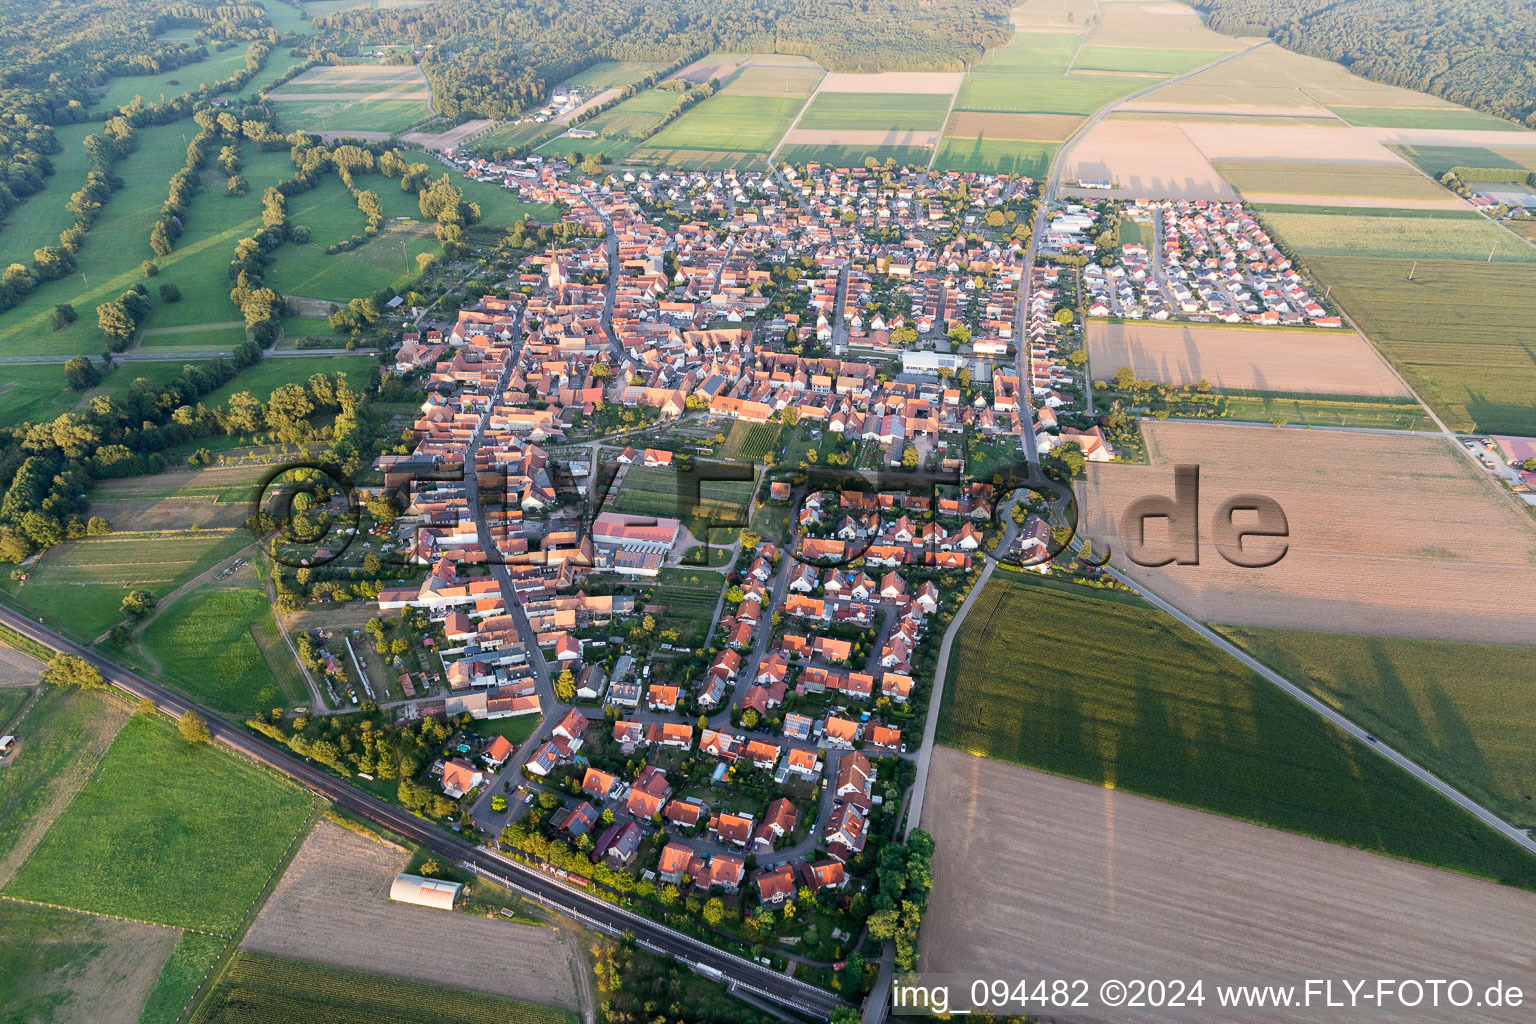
[[426, 892]]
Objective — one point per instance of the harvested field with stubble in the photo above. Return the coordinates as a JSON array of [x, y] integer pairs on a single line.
[[1389, 534], [1083, 880], [1170, 25], [1318, 143], [1492, 139], [1147, 159], [1306, 178], [1275, 76], [332, 905], [1305, 362], [938, 82]]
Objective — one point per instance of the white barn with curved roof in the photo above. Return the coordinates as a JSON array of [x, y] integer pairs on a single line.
[[425, 892]]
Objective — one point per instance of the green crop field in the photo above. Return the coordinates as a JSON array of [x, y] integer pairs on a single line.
[[1042, 94], [741, 124], [259, 988], [1320, 179], [79, 586], [854, 156], [168, 832], [384, 89], [630, 119], [608, 150], [1033, 53], [1438, 213], [1115, 693], [610, 74], [1436, 160], [700, 159], [67, 732], [1458, 331], [871, 111], [1406, 237], [1138, 59], [514, 136], [987, 156], [181, 976], [205, 646], [359, 115], [1305, 410], [1448, 706], [1422, 117]]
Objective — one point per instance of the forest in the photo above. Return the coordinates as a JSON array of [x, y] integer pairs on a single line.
[[496, 57], [1479, 53]]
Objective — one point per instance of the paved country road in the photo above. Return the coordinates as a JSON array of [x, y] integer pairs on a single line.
[[738, 972]]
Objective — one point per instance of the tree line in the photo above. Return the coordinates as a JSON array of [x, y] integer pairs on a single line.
[[497, 58], [54, 56], [47, 468], [1477, 53]]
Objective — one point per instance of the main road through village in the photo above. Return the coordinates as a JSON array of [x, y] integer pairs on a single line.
[[737, 972]]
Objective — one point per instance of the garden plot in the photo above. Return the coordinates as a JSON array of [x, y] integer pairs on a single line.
[[1147, 159], [1388, 534], [332, 905], [1303, 362]]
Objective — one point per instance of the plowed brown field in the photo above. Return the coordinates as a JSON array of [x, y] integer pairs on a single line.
[[1306, 362], [1390, 534]]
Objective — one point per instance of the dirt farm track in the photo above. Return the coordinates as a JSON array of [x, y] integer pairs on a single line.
[[1038, 876], [332, 905]]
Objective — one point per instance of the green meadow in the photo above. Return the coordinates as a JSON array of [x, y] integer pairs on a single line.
[[205, 832]]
